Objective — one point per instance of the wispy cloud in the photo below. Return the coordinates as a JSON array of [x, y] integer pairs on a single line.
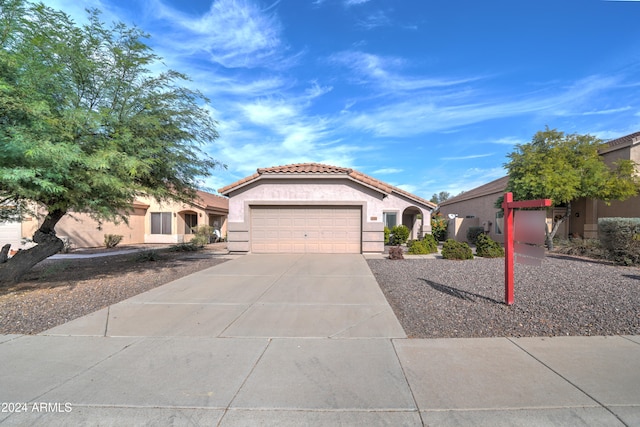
[[234, 33], [387, 171], [509, 140], [434, 113], [469, 157], [385, 72], [375, 20]]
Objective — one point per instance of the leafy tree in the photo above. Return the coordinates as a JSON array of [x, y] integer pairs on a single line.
[[85, 126], [439, 227], [440, 197], [565, 167]]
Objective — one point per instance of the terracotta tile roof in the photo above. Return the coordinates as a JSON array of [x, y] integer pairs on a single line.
[[321, 169], [624, 140], [211, 201], [497, 186]]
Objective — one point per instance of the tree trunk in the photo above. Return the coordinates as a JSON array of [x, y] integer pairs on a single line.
[[47, 244], [551, 234]]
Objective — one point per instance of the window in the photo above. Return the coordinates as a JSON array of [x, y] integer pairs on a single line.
[[190, 222], [499, 222], [390, 219], [160, 222]]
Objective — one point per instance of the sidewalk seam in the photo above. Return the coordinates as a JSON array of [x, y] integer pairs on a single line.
[[404, 374], [602, 405], [253, 368], [221, 334]]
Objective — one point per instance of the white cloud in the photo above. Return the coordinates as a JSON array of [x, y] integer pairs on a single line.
[[386, 171], [383, 72], [434, 113], [235, 33], [472, 156]]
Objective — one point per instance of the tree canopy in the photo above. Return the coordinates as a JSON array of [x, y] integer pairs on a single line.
[[85, 125], [565, 167], [440, 197]]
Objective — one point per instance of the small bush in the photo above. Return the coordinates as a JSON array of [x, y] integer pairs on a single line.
[[387, 232], [112, 240], [395, 252], [456, 250], [620, 237], [428, 245], [185, 247], [486, 247], [439, 227], [147, 256], [473, 233], [590, 248], [199, 240], [400, 234]]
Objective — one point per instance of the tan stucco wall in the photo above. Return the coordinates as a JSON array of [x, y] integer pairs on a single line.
[[85, 232], [482, 212], [318, 192]]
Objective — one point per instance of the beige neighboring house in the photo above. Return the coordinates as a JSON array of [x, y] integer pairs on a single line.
[[316, 208], [476, 207], [149, 222]]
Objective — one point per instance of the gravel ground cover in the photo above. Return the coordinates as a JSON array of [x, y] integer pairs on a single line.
[[57, 291], [438, 298]]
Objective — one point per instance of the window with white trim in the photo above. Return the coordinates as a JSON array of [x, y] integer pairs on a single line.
[[160, 222], [390, 219]]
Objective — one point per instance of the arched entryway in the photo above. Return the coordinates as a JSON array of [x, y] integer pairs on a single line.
[[413, 219]]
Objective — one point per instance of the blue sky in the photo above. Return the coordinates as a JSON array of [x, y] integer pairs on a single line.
[[427, 95]]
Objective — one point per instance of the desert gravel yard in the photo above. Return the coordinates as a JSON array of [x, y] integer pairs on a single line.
[[438, 298]]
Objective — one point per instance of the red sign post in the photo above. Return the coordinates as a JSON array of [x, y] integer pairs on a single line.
[[509, 206]]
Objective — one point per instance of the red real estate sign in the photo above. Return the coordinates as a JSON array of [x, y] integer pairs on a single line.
[[526, 232]]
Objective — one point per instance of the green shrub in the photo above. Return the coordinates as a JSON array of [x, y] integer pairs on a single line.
[[591, 248], [112, 240], [199, 240], [428, 245], [620, 238], [146, 256], [185, 247], [473, 233], [439, 227], [387, 232], [400, 234], [202, 235], [486, 247], [456, 250]]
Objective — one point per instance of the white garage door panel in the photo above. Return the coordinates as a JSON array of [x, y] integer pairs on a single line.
[[305, 229]]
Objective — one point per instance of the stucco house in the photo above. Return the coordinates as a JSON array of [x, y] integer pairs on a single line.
[[476, 207], [317, 208], [149, 222]]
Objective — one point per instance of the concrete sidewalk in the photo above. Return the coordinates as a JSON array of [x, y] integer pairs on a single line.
[[302, 340]]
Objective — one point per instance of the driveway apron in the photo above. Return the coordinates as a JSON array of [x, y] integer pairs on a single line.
[[275, 339], [301, 340]]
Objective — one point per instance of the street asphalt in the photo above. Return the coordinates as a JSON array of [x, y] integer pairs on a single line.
[[292, 340]]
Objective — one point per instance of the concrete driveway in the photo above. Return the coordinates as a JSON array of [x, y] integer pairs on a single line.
[[301, 340]]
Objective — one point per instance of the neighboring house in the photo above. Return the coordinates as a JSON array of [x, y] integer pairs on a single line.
[[476, 207], [316, 208], [149, 222]]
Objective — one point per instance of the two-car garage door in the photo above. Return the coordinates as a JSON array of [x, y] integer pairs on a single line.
[[302, 229]]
